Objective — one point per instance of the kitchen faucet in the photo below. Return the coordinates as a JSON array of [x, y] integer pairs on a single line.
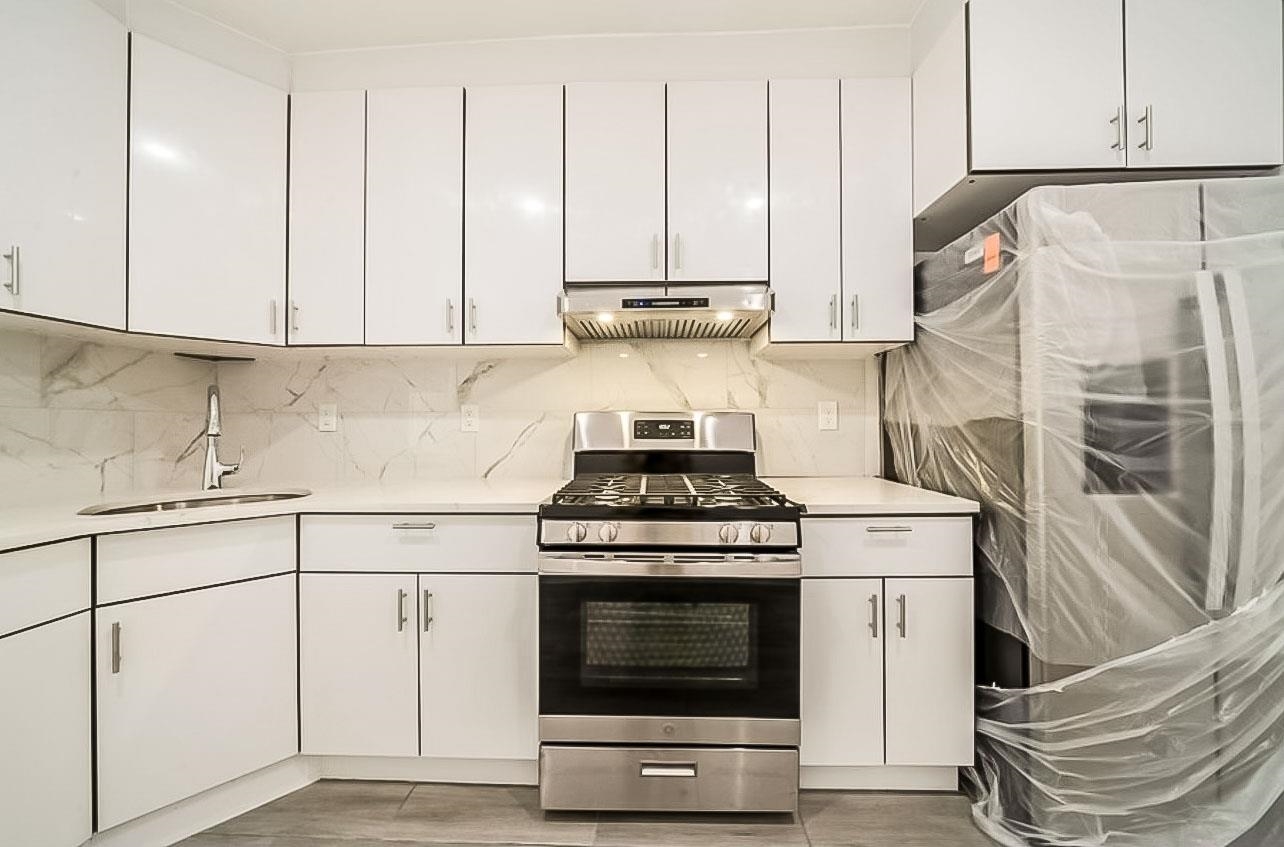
[[214, 469]]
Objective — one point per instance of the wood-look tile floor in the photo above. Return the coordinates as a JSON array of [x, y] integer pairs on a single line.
[[399, 814]]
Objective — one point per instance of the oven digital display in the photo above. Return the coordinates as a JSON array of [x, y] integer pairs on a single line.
[[664, 430]]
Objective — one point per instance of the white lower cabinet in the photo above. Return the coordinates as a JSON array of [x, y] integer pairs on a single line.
[[45, 770], [930, 699], [194, 689], [357, 664], [477, 667], [842, 672]]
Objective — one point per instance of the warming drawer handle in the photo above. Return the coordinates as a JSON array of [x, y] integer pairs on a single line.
[[669, 769], [889, 529], [426, 525]]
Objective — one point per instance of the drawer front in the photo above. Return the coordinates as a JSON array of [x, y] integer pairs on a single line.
[[887, 546], [668, 779], [418, 543], [43, 583], [140, 564]]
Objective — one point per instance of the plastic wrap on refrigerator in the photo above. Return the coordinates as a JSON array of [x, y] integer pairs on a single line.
[[1102, 367]]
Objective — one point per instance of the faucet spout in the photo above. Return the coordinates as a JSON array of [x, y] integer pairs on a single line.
[[213, 422], [212, 479]]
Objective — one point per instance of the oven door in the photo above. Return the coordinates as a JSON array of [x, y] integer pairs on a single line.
[[668, 658]]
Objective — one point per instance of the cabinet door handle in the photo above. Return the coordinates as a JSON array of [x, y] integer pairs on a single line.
[[1118, 121], [472, 315], [833, 311], [272, 316], [15, 278], [655, 252], [294, 315], [889, 529], [677, 251], [427, 610], [428, 525], [115, 647], [900, 623], [1147, 118], [855, 312], [450, 315], [401, 610], [873, 615]]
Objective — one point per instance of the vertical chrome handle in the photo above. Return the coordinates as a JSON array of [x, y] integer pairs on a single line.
[[427, 610], [115, 647], [833, 311], [450, 315], [401, 609], [472, 315], [873, 615], [15, 278], [655, 252], [294, 315], [677, 251], [900, 623], [1147, 118], [272, 316], [855, 312], [1118, 121]]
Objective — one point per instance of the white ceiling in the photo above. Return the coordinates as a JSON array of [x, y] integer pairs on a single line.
[[305, 26]]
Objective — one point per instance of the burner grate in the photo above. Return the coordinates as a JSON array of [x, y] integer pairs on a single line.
[[682, 490]]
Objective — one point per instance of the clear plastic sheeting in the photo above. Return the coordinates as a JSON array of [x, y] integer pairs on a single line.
[[1102, 367]]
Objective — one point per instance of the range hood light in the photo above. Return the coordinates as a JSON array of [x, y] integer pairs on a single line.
[[605, 317], [724, 316]]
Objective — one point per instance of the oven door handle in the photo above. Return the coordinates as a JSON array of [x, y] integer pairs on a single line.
[[667, 769], [749, 567]]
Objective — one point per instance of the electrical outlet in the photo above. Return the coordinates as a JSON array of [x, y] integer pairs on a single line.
[[328, 417], [827, 415], [469, 418]]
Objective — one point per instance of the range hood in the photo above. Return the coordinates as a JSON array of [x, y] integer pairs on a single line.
[[598, 312]]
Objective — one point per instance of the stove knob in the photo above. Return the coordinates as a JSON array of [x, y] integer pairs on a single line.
[[760, 534], [608, 531], [576, 532], [728, 533]]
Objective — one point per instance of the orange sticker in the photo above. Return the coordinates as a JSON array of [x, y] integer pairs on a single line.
[[991, 253]]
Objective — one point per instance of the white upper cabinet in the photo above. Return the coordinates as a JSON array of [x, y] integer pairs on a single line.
[[1046, 80], [615, 182], [207, 210], [327, 217], [414, 216], [806, 238], [1204, 83], [63, 86], [717, 181], [513, 215], [878, 235]]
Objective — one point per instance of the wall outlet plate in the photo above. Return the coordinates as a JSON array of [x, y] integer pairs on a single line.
[[328, 417], [469, 418], [827, 415]]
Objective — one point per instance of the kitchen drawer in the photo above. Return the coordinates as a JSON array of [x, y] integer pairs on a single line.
[[160, 561], [418, 543], [40, 584], [887, 546], [668, 779]]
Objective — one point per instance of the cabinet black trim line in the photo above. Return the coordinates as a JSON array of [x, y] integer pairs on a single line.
[[30, 627], [241, 581]]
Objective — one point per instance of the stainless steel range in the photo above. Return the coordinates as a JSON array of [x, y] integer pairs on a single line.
[[668, 621]]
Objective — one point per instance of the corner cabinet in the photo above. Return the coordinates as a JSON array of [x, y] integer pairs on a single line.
[[207, 204], [513, 215], [63, 82], [887, 652]]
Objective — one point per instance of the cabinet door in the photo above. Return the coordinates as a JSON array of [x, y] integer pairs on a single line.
[[63, 72], [45, 777], [358, 660], [478, 666], [717, 153], [806, 242], [513, 214], [204, 691], [930, 699], [878, 227], [842, 672], [327, 217], [207, 152], [614, 181], [415, 216], [1027, 109], [1210, 76]]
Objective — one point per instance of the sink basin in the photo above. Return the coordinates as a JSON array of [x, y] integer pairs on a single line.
[[194, 501]]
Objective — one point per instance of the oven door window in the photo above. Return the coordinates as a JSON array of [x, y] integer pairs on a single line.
[[669, 647]]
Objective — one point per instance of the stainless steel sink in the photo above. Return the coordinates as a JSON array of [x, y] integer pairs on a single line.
[[195, 501]]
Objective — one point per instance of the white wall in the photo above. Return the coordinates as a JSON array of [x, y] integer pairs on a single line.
[[830, 53]]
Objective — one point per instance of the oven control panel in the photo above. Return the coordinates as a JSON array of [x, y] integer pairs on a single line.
[[770, 534], [654, 430]]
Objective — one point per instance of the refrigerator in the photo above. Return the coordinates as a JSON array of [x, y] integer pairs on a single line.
[[1102, 367]]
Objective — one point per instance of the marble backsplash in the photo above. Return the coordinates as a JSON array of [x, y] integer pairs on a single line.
[[84, 419]]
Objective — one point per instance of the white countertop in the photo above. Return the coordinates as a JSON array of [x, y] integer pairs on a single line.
[[23, 527]]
